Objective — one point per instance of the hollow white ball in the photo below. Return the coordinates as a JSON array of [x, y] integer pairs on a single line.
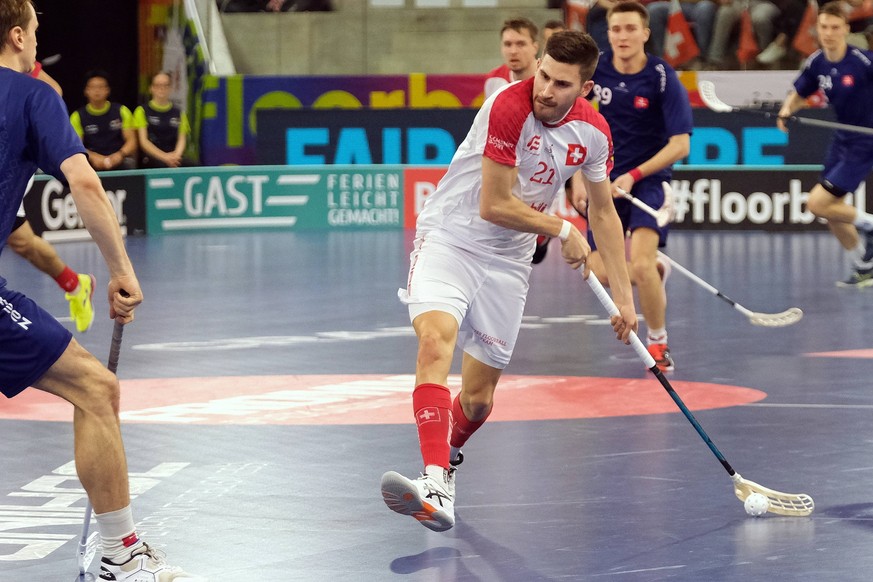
[[756, 504]]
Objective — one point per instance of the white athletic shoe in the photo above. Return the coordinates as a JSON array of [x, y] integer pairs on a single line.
[[146, 565], [771, 54], [426, 499]]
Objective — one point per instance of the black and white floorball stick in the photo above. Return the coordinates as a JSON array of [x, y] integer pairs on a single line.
[[89, 544], [790, 504], [788, 317], [665, 214], [706, 89], [784, 318]]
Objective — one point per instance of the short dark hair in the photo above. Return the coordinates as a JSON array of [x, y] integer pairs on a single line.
[[625, 6], [834, 8], [554, 24], [574, 47], [97, 73], [519, 24]]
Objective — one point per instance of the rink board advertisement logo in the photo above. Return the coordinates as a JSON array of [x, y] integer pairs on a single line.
[[253, 198], [232, 105], [403, 136], [52, 212], [765, 199]]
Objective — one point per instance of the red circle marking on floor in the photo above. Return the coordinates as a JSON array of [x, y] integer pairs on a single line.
[[376, 399]]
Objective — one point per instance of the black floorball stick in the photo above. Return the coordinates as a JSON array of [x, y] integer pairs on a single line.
[[790, 504], [788, 317], [706, 89]]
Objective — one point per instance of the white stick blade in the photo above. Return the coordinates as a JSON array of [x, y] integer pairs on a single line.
[[88, 552], [788, 504], [710, 99], [787, 317]]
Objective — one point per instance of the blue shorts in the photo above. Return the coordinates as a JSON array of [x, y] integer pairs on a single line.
[[31, 341], [848, 162], [650, 191]]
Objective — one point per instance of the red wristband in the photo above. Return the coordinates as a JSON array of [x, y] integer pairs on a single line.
[[636, 174]]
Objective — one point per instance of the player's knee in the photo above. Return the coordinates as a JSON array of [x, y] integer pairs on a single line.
[[101, 394], [817, 205], [823, 196], [432, 347], [643, 270], [478, 406]]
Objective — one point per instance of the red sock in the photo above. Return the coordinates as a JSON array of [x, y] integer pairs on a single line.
[[432, 404], [68, 279], [462, 428]]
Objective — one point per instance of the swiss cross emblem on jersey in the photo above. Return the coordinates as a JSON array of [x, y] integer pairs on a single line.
[[641, 102], [534, 143], [576, 154], [848, 81]]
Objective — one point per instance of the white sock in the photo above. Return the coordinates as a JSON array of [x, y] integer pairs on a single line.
[[118, 534], [657, 336], [857, 256], [864, 221]]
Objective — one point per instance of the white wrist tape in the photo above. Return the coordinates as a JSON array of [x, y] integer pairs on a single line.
[[565, 230]]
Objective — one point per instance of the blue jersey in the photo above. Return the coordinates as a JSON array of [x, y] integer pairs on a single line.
[[643, 110], [35, 132], [848, 86]]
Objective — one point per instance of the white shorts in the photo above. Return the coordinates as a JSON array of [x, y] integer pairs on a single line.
[[484, 293]]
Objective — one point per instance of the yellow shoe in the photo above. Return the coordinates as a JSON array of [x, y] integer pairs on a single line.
[[82, 304]]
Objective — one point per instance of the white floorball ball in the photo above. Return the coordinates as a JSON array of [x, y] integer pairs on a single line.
[[756, 504]]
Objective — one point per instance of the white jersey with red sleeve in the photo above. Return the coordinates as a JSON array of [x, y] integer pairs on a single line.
[[496, 78], [547, 155]]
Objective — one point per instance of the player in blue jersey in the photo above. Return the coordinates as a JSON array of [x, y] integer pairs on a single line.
[[36, 350], [845, 76], [649, 114]]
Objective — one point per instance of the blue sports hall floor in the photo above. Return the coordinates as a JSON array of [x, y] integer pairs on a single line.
[[266, 387]]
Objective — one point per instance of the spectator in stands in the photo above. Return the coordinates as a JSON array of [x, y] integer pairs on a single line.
[[785, 26], [763, 14], [518, 45], [700, 15], [595, 22], [105, 128], [162, 127]]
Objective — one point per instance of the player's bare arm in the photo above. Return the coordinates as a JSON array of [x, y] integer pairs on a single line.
[[96, 211], [609, 235], [499, 206]]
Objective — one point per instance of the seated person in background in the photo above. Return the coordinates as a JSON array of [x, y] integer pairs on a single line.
[[106, 128], [161, 127], [763, 14], [518, 45], [595, 22], [700, 15]]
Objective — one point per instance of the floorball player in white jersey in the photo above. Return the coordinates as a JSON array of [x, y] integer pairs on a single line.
[[468, 278]]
